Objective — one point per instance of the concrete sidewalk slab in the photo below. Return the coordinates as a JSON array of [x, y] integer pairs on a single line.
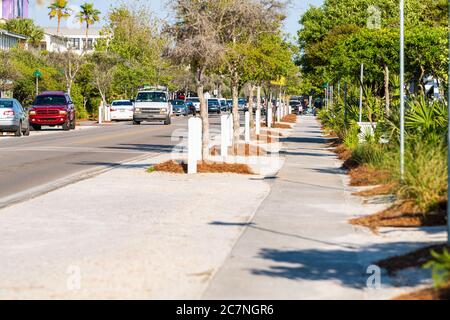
[[125, 234], [299, 244]]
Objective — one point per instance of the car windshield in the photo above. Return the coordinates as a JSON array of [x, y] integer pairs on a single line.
[[242, 101], [122, 103], [151, 97], [223, 102], [213, 102], [193, 99], [178, 103], [6, 104], [51, 100]]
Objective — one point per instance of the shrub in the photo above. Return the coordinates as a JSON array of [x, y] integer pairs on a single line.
[[425, 178], [440, 267]]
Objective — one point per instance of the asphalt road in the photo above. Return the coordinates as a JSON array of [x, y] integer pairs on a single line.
[[43, 157]]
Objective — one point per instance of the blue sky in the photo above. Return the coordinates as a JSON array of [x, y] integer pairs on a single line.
[[39, 12]]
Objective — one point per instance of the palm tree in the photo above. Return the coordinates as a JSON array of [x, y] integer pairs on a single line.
[[59, 9], [88, 15]]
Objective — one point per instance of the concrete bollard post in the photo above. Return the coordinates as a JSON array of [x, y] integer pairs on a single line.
[[290, 109], [224, 135], [230, 129], [194, 143], [278, 114], [247, 127], [269, 117], [100, 114], [258, 121]]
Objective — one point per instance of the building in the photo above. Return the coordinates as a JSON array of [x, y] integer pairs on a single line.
[[70, 38], [10, 9]]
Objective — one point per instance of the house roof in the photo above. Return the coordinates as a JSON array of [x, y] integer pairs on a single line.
[[12, 34], [68, 32]]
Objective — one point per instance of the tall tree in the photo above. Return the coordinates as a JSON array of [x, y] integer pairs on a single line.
[[27, 28], [198, 47], [88, 15], [59, 9]]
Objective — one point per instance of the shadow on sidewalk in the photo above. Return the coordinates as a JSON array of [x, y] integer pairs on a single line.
[[346, 266]]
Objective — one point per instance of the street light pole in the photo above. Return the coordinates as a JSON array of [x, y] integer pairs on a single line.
[[402, 89], [361, 92], [448, 130]]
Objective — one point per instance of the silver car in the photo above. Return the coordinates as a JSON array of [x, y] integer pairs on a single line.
[[13, 117]]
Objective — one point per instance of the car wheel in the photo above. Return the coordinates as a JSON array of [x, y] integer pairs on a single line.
[[18, 132], [136, 123], [27, 131], [36, 127], [66, 125]]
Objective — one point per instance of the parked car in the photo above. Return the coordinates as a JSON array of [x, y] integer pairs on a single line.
[[13, 118], [152, 104], [179, 108], [242, 104], [191, 107], [213, 106], [195, 101], [53, 108], [121, 110], [230, 104], [223, 105]]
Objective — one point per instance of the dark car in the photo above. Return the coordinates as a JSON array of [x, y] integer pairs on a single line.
[[52, 108], [213, 106], [179, 107], [191, 107]]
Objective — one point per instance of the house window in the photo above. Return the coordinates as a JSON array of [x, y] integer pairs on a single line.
[[74, 43], [90, 44]]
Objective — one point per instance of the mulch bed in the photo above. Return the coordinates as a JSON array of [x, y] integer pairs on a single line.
[[414, 259], [278, 125], [381, 190], [402, 215], [203, 167], [291, 118], [442, 293], [367, 176], [342, 151], [244, 150]]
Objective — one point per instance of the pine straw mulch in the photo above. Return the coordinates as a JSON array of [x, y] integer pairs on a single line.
[[367, 176], [242, 149], [442, 293], [414, 259], [291, 118], [381, 190], [404, 214], [203, 167], [278, 125]]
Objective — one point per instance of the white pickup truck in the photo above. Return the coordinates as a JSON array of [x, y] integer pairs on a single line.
[[152, 104]]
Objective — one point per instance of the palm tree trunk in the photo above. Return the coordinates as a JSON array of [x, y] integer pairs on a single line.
[[87, 37], [386, 88], [59, 25], [250, 106]]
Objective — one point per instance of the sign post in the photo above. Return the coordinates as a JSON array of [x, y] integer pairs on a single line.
[[37, 74]]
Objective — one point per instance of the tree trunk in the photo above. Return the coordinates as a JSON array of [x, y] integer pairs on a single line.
[[59, 26], [204, 117], [258, 97], [87, 37], [236, 124], [386, 89], [250, 106], [422, 74]]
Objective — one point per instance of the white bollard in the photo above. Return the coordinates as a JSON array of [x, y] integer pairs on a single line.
[[258, 121], [100, 114], [247, 127], [230, 129], [224, 135], [290, 109], [269, 117], [278, 114], [194, 143]]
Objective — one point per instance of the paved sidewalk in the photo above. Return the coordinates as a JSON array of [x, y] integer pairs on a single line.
[[299, 244]]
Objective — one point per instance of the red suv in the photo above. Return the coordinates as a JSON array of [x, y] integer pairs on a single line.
[[52, 108]]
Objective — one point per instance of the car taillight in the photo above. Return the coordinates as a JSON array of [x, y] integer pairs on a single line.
[[8, 113], [62, 112]]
